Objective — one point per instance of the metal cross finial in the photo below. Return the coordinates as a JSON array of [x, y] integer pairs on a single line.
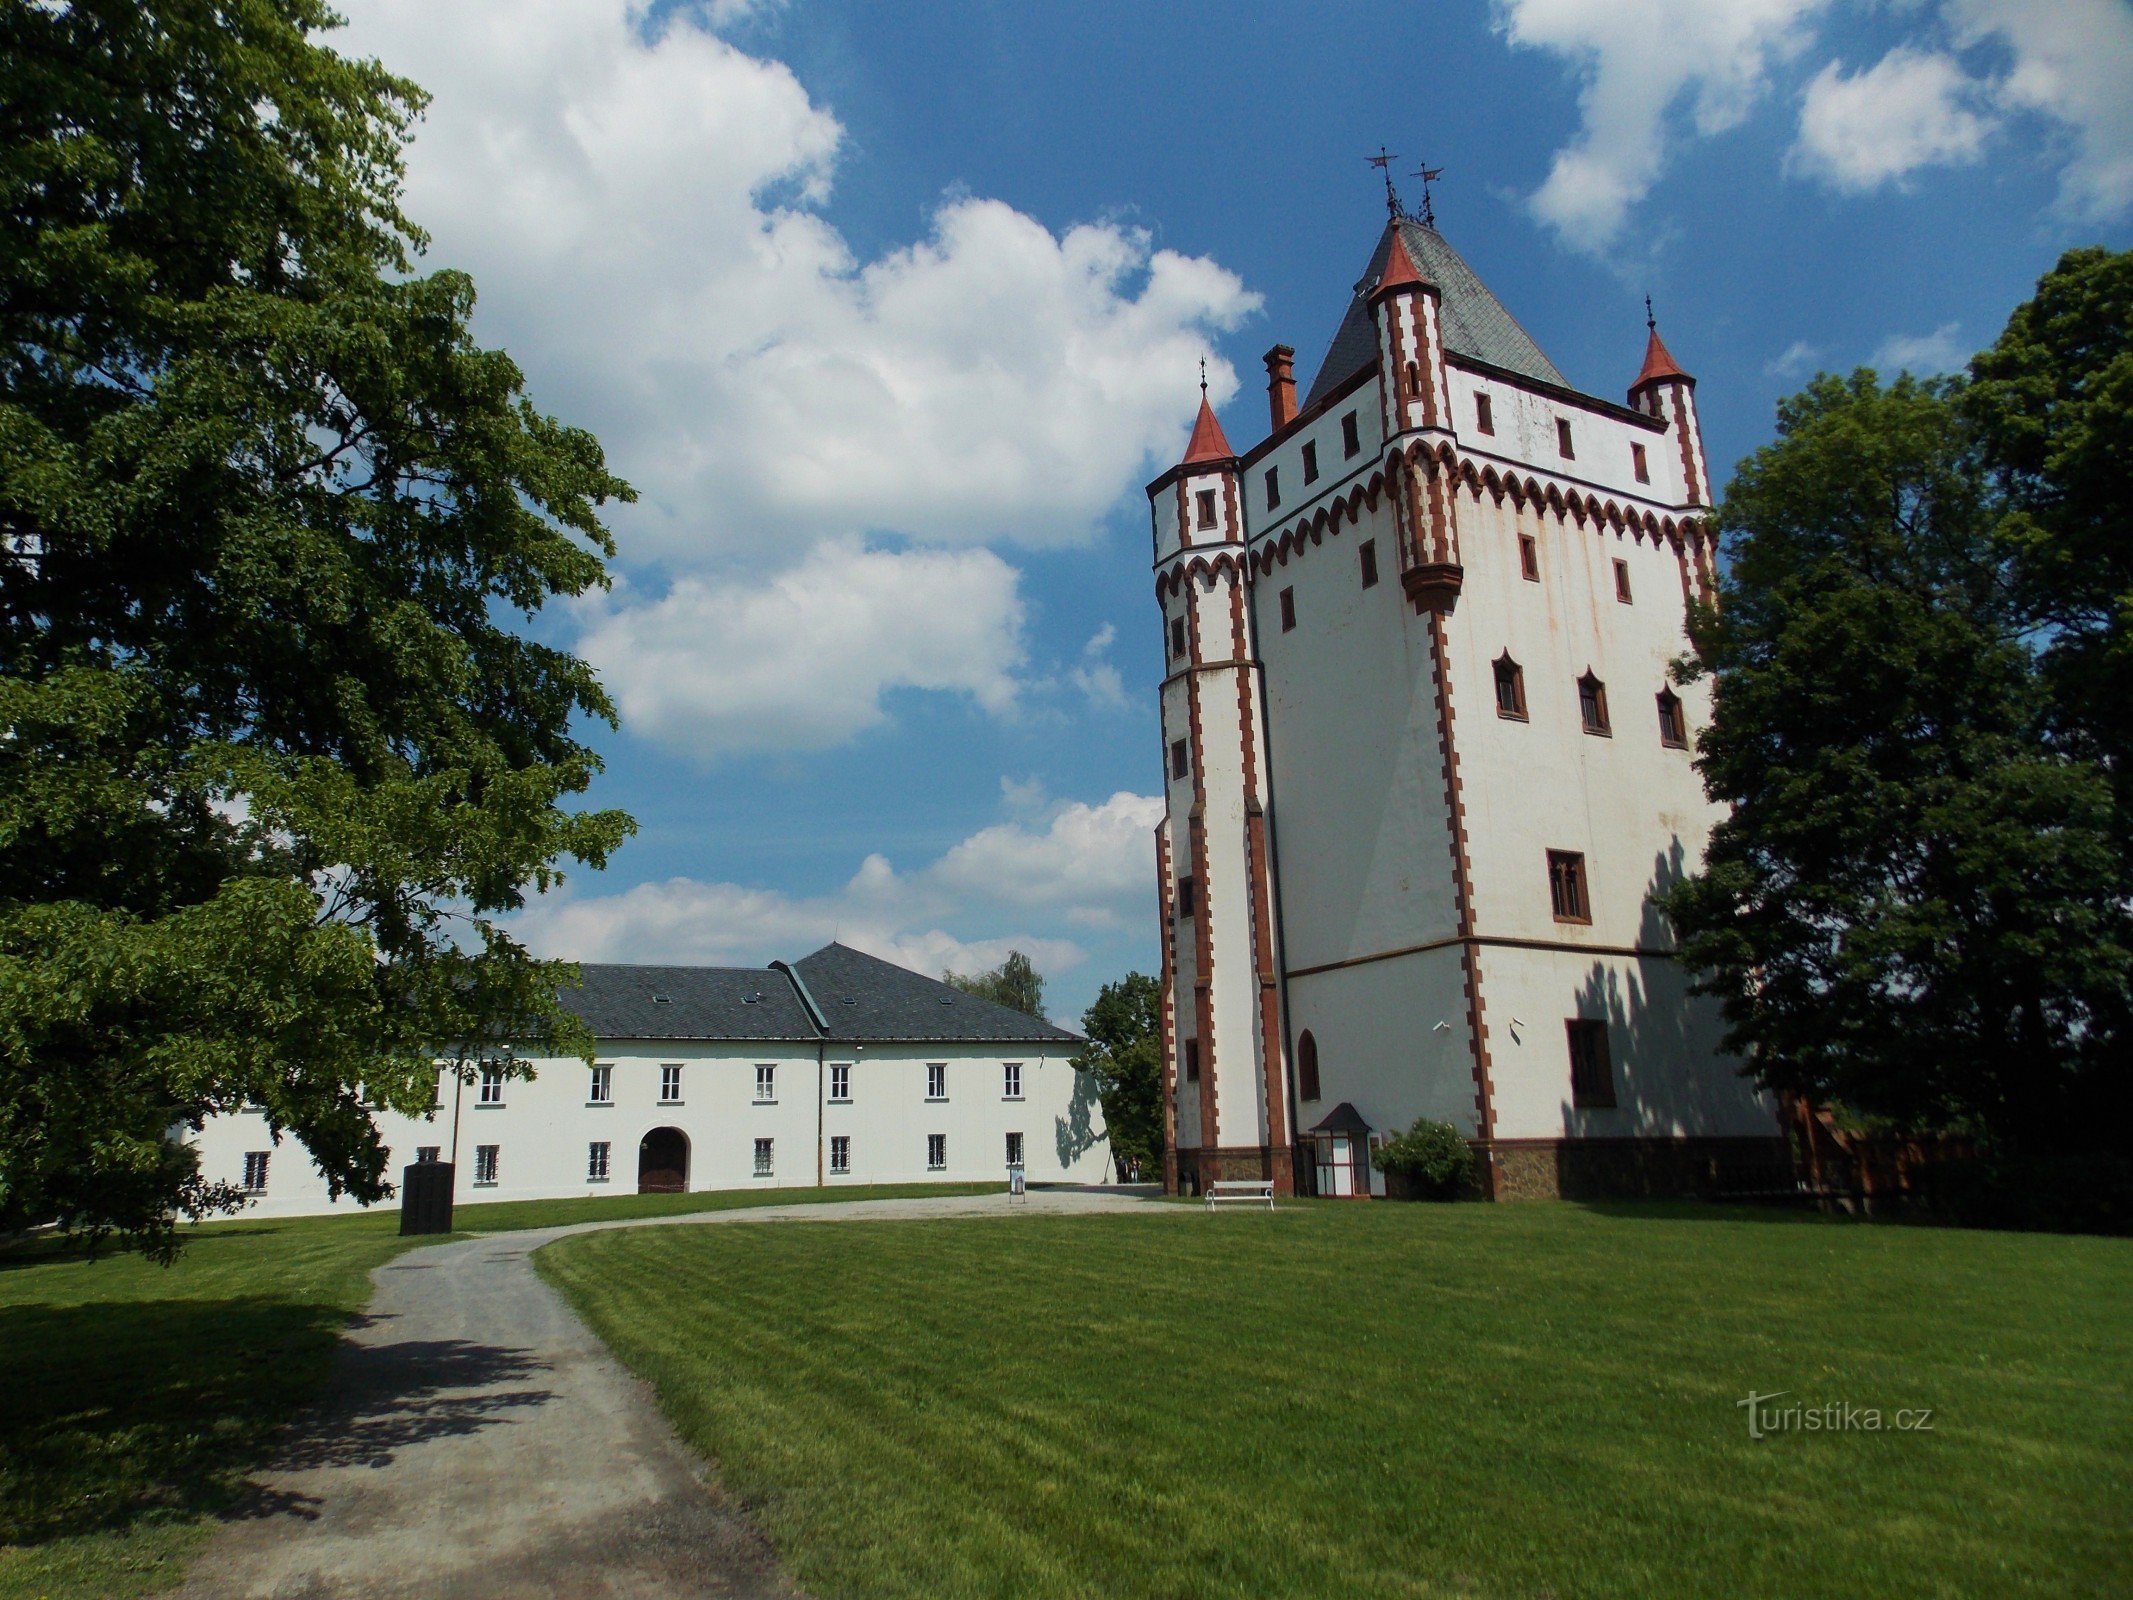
[[1428, 175], [1383, 161], [1203, 377], [1650, 321]]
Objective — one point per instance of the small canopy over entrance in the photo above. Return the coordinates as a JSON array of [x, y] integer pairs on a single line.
[[663, 1162], [1342, 1143]]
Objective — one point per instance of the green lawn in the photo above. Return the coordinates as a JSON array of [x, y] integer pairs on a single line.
[[134, 1398], [1346, 1400]]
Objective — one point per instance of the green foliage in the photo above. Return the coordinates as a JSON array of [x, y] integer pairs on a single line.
[[1914, 906], [1432, 1156], [2053, 404], [274, 756], [1125, 1055], [1014, 983]]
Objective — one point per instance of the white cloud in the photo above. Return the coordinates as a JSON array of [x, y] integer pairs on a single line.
[[801, 660], [1926, 353], [1081, 865], [1798, 357], [1638, 60], [1911, 109], [1095, 676], [2073, 63]]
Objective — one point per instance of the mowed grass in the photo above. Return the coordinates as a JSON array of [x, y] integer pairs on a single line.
[[1341, 1400], [135, 1399]]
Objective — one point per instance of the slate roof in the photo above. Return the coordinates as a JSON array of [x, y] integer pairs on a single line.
[[840, 995], [1474, 321]]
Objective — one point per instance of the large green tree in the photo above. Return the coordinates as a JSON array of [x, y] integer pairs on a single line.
[[1125, 1055], [1914, 907], [274, 751], [1014, 983]]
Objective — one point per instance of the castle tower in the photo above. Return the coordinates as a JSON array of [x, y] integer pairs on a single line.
[[1225, 1085]]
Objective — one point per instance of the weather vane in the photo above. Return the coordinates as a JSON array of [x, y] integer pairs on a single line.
[[1203, 377], [1650, 321], [1383, 161], [1428, 175]]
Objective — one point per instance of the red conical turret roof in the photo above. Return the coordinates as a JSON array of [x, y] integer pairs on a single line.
[[1208, 442], [1658, 363], [1399, 266]]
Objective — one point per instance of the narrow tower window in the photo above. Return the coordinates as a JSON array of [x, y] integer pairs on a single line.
[[1529, 558], [1566, 886], [1273, 487], [1638, 464], [1592, 704], [1484, 415], [1205, 501], [1368, 553], [1351, 436], [1562, 439], [1288, 610], [1414, 380], [1673, 726], [1622, 581], [1307, 1065], [1310, 454], [1177, 636], [1180, 758], [1192, 1061], [1188, 897], [1510, 688], [1592, 1074]]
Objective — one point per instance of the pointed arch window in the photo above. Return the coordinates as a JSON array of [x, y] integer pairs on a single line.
[[1592, 705], [1307, 1065], [1510, 688], [1673, 724]]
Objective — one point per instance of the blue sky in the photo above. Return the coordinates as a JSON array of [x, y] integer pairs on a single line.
[[889, 312]]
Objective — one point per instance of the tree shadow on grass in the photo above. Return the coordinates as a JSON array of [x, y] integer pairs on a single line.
[[1802, 1215], [116, 1414]]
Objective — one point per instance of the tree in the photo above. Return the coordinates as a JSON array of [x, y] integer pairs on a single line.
[[1914, 907], [1125, 1056], [272, 756], [1014, 983], [2052, 401]]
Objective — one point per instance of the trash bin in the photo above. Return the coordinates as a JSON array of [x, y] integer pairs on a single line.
[[1016, 1189], [426, 1197]]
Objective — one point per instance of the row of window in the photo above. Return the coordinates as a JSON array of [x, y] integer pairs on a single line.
[[599, 1159], [1592, 704], [1351, 446], [1592, 1073], [601, 1091]]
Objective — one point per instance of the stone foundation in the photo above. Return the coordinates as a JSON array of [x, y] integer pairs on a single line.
[[1626, 1169]]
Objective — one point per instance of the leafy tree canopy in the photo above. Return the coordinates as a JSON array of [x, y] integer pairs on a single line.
[[1914, 907], [1013, 983], [1125, 1055], [272, 752]]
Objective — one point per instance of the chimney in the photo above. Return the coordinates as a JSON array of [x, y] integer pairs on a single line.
[[1281, 385]]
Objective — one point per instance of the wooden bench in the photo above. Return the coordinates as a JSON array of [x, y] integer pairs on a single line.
[[1252, 1191]]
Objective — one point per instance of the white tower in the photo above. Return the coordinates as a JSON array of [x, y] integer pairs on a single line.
[[1225, 1087]]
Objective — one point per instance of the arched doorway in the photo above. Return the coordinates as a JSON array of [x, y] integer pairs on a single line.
[[663, 1162]]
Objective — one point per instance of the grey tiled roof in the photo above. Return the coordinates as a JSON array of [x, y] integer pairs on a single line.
[[1474, 321], [861, 997], [858, 998]]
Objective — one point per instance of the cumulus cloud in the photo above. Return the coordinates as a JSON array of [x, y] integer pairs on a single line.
[[1797, 358], [1911, 109], [1924, 354], [2072, 63], [1076, 865], [1639, 59]]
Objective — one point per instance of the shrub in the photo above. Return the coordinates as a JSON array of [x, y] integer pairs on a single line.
[[1432, 1157]]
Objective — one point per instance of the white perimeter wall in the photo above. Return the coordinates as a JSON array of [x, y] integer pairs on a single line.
[[544, 1126]]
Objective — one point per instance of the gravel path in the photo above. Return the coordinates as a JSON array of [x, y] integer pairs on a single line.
[[478, 1443]]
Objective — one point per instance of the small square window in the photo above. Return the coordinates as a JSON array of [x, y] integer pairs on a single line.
[[1484, 415], [1011, 1080], [1566, 886], [1177, 636], [1562, 439], [429, 1152], [1188, 897], [1638, 464], [255, 1171], [840, 1154], [1273, 487], [596, 1159], [1351, 436], [1014, 1149], [1204, 503], [936, 1080], [1592, 705], [841, 1082], [1180, 758], [1288, 610], [1622, 581], [1673, 725], [936, 1152], [602, 1090], [492, 1085], [1510, 688], [1367, 553], [1592, 1073], [1529, 558], [1192, 1061], [670, 1085], [485, 1164], [1310, 458], [763, 1158]]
